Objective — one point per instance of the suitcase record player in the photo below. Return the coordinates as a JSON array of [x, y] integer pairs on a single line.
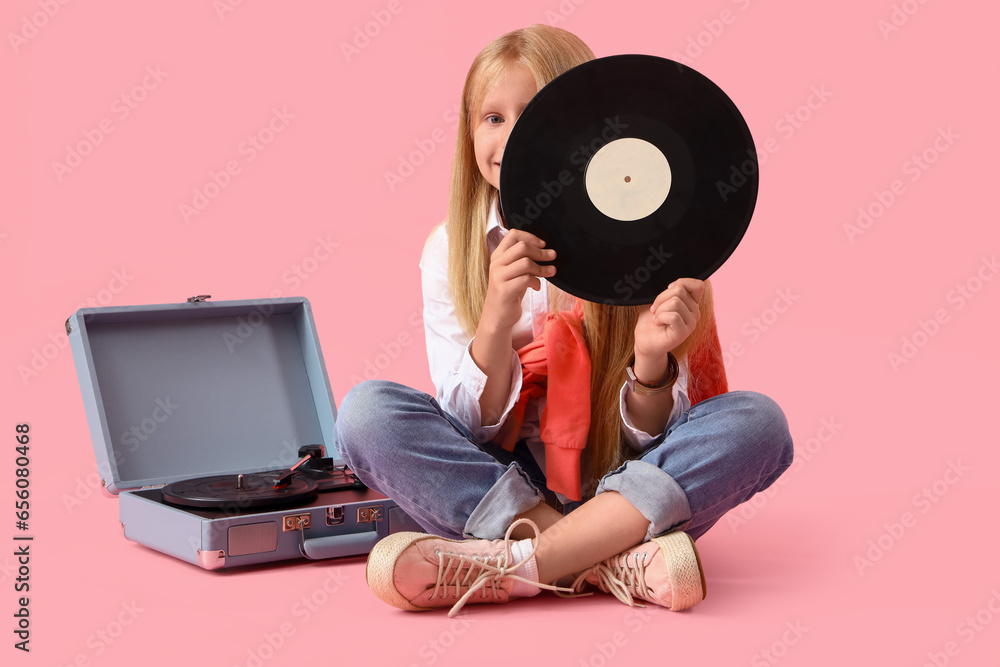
[[213, 423]]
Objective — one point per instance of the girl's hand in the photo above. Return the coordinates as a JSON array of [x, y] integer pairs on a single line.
[[513, 269], [665, 325]]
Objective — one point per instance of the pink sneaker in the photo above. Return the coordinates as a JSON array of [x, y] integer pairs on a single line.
[[418, 572], [665, 571]]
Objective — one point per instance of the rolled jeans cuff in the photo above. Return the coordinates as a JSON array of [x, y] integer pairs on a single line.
[[653, 492], [511, 495]]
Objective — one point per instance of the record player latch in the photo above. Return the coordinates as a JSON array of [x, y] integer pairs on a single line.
[[296, 522], [370, 514]]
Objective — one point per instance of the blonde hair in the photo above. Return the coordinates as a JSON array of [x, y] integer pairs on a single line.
[[610, 335], [546, 52]]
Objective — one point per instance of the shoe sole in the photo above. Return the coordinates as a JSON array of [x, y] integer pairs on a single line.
[[687, 578], [382, 564]]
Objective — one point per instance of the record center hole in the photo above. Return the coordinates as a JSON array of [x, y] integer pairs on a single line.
[[628, 179]]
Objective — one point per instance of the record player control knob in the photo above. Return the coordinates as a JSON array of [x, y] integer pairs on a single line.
[[239, 482]]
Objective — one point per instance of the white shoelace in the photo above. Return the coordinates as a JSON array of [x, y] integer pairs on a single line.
[[483, 574], [617, 577]]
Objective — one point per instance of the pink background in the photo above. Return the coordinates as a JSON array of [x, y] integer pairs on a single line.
[[784, 574]]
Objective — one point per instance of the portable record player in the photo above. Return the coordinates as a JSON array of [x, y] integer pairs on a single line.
[[213, 422]]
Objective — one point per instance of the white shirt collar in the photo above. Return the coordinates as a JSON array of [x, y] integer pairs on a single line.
[[493, 223]]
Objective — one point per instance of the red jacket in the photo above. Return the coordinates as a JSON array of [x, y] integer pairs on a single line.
[[557, 364]]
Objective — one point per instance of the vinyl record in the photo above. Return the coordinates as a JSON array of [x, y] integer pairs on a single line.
[[223, 492], [636, 170]]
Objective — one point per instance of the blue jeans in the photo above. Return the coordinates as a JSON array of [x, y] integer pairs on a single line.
[[400, 443]]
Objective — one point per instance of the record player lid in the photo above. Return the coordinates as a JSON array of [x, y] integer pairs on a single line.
[[174, 391]]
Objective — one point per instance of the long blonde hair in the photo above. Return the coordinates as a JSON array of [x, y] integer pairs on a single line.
[[546, 52], [610, 335]]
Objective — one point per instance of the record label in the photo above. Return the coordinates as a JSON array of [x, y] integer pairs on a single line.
[[628, 179]]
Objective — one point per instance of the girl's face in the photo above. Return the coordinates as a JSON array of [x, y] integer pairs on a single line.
[[500, 109]]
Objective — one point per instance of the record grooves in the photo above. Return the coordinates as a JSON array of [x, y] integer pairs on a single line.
[[616, 164], [238, 491]]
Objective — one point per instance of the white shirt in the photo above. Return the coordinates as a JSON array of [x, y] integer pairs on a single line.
[[460, 382]]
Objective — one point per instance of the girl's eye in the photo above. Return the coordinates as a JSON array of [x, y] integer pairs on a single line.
[[494, 119]]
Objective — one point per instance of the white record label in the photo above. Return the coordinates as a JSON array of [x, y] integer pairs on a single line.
[[628, 179]]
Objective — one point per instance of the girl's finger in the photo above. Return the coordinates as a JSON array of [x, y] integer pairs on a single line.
[[680, 307], [687, 286], [524, 266], [522, 249], [516, 236]]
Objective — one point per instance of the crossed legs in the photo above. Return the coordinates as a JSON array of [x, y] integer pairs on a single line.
[[722, 452]]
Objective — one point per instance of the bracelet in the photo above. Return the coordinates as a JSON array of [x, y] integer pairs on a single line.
[[639, 387]]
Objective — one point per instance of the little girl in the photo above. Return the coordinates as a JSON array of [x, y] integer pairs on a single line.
[[600, 481]]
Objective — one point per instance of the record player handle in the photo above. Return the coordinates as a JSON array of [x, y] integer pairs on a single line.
[[338, 546]]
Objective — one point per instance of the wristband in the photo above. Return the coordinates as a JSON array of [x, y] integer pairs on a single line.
[[639, 387]]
